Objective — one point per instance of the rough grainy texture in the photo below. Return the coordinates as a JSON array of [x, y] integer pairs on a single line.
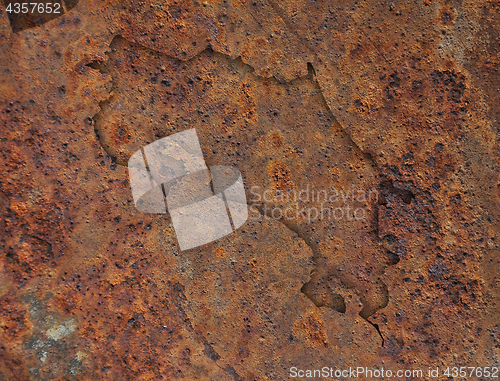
[[395, 97]]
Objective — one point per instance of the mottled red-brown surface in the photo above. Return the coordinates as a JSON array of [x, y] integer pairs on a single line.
[[397, 97]]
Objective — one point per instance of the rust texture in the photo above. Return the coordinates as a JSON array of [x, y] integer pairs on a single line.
[[395, 98]]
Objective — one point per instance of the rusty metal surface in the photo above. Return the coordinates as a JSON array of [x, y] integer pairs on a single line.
[[397, 97]]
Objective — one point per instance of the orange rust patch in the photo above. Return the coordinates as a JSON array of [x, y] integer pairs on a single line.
[[220, 252], [248, 108], [276, 140], [13, 318], [313, 328], [280, 175]]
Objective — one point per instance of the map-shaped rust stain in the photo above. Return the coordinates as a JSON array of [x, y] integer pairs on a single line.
[[281, 136]]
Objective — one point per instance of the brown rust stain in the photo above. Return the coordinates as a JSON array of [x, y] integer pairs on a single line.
[[312, 326], [400, 97], [280, 175]]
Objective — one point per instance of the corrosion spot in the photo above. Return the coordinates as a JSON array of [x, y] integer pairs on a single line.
[[447, 16], [280, 175], [220, 252], [313, 328]]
